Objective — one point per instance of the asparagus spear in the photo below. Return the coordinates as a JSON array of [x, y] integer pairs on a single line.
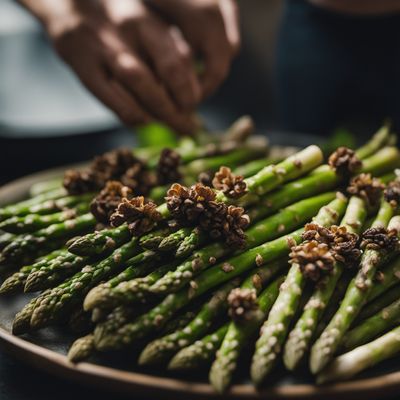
[[124, 290], [82, 348], [48, 205], [129, 285], [99, 242], [349, 364], [378, 140], [236, 338], [356, 296], [34, 222], [285, 221], [376, 305], [54, 304], [200, 353], [50, 274], [16, 281], [300, 337], [212, 277], [161, 350], [385, 319], [28, 246], [45, 186], [5, 239], [174, 239], [190, 243], [390, 277]]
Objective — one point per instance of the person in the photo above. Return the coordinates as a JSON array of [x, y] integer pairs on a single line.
[[141, 58], [158, 59]]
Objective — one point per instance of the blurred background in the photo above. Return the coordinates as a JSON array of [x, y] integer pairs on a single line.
[[302, 72]]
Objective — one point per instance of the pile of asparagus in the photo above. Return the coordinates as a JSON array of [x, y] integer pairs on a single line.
[[219, 248]]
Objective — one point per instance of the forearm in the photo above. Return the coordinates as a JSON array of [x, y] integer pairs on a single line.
[[361, 7]]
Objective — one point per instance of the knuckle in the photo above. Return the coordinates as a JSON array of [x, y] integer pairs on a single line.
[[128, 67]]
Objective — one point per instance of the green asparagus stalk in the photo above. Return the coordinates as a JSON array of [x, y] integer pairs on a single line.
[[55, 303], [285, 221], [349, 364], [16, 281], [44, 187], [52, 203], [384, 320], [200, 353], [50, 274], [99, 242], [34, 222], [299, 339], [5, 239], [334, 303], [376, 305], [236, 338], [232, 159], [161, 350], [21, 207], [378, 140], [174, 239], [28, 246], [190, 243], [152, 240], [212, 277], [389, 277], [82, 348], [356, 296], [125, 288], [130, 283]]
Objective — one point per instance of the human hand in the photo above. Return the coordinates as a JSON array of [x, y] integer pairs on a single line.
[[211, 28], [127, 56]]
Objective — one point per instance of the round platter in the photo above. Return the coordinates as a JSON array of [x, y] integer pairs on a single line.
[[46, 350]]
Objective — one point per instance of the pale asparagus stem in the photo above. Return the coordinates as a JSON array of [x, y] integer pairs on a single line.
[[82, 348], [299, 339], [275, 329], [212, 277], [385, 319], [285, 221], [237, 336], [376, 305], [200, 353], [356, 296], [361, 358], [161, 350]]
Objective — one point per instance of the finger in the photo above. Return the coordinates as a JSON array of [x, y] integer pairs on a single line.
[[133, 74], [230, 15], [172, 60], [115, 97], [217, 54]]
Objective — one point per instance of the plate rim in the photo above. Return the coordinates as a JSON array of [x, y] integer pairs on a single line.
[[124, 381]]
